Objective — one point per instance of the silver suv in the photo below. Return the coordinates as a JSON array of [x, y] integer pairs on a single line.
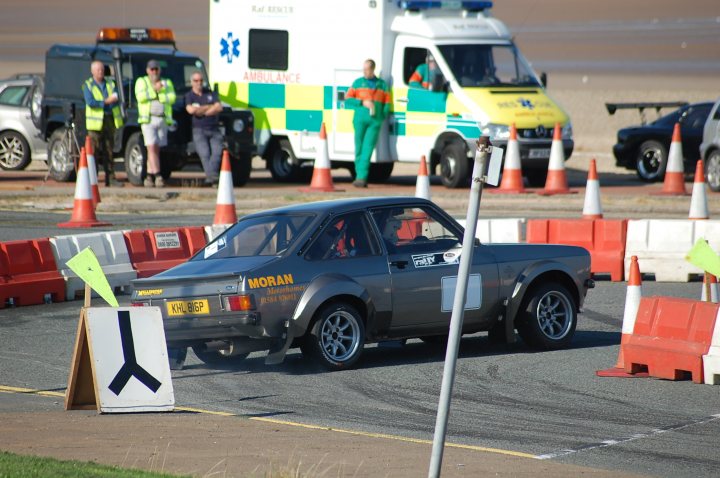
[[20, 142], [710, 147]]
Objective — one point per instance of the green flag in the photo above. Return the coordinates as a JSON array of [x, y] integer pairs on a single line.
[[85, 264], [704, 257]]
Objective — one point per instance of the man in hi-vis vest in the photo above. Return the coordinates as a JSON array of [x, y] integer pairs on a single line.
[[155, 96], [102, 117]]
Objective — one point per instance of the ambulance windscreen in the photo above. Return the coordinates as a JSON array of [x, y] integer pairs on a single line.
[[477, 65]]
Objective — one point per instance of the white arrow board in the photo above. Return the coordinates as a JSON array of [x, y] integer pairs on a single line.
[[128, 356]]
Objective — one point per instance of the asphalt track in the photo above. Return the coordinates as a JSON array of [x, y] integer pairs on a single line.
[[549, 405]]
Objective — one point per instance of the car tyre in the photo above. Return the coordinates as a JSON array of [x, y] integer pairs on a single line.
[[651, 161], [283, 163], [454, 165], [337, 336], [548, 317], [14, 151], [135, 159], [712, 170], [536, 177], [61, 165], [217, 357], [241, 167], [380, 172], [36, 99]]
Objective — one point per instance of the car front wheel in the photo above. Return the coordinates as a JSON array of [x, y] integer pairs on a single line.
[[337, 337], [651, 161], [62, 151], [548, 317], [135, 158], [712, 170], [14, 151]]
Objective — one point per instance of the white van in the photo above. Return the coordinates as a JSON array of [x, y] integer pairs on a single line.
[[291, 62]]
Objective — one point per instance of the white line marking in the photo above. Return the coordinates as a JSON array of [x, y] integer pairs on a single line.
[[619, 441]]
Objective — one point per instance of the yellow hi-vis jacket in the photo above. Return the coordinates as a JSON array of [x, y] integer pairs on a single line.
[[94, 116], [145, 94]]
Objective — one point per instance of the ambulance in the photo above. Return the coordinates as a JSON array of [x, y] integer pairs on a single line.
[[292, 61]]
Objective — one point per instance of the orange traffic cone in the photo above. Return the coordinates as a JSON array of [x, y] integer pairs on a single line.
[[83, 214], [698, 201], [592, 209], [321, 178], [92, 170], [710, 282], [632, 304], [512, 177], [674, 183], [225, 212], [556, 182], [422, 185]]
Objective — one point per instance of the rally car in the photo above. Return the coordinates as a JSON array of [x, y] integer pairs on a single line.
[[331, 276]]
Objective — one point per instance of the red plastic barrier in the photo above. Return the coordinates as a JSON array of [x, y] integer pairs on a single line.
[[156, 250], [670, 337], [603, 238], [28, 273]]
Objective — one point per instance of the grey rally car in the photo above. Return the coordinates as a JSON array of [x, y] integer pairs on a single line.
[[331, 276]]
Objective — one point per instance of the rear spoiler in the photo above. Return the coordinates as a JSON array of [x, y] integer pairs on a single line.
[[641, 107]]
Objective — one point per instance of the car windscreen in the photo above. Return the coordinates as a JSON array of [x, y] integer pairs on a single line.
[[257, 236], [178, 69], [475, 65]]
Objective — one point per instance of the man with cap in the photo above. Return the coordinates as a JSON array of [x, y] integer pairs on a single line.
[[155, 96], [102, 117]]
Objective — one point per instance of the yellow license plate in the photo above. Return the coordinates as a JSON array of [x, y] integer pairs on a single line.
[[188, 307]]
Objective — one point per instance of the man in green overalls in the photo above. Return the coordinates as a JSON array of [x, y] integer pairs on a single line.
[[370, 97]]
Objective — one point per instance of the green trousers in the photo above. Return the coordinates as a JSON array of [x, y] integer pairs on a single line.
[[367, 130]]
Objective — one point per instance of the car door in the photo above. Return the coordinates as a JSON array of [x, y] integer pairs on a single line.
[[424, 248]]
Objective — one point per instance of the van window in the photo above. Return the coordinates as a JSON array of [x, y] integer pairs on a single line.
[[268, 49], [412, 58]]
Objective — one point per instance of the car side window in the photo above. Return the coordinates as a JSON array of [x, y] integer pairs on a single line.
[[13, 95], [410, 230], [346, 236]]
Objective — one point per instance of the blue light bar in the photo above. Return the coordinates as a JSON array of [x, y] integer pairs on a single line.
[[447, 4]]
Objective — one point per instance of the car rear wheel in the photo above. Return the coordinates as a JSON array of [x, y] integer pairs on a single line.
[[454, 165], [14, 151], [61, 155], [337, 337], [218, 357], [651, 161], [712, 170], [548, 317]]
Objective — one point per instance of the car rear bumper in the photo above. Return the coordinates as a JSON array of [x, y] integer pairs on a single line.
[[198, 329]]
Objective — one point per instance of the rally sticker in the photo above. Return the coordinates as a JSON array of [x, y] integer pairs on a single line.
[[213, 248], [167, 240], [435, 259]]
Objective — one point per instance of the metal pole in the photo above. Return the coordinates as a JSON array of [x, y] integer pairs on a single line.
[[458, 311]]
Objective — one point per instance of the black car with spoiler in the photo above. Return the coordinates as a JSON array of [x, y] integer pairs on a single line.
[[58, 107], [645, 148]]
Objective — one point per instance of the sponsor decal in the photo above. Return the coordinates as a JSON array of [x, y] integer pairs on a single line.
[[434, 259], [271, 281], [276, 295], [167, 240], [213, 248], [147, 292]]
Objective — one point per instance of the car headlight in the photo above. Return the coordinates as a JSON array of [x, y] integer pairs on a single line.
[[238, 125], [497, 131], [567, 132]]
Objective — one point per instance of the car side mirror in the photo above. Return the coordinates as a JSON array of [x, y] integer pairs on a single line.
[[543, 79]]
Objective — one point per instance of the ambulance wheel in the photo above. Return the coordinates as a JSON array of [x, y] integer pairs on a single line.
[[380, 172], [283, 163], [454, 165]]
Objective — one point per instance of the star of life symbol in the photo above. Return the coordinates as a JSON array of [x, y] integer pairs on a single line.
[[229, 47], [526, 103]]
